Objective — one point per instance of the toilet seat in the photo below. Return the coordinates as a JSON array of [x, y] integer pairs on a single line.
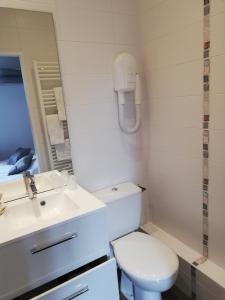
[[148, 262]]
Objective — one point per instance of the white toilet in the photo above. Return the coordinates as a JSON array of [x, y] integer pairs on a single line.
[[148, 266]]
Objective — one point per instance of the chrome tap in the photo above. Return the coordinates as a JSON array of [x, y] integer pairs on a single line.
[[2, 207], [30, 185]]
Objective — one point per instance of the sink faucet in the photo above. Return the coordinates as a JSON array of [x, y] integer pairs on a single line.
[[2, 207], [30, 185]]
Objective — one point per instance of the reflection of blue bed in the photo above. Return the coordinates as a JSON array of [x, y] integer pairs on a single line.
[[4, 170]]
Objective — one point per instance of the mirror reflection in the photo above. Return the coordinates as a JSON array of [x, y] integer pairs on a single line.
[[33, 125]]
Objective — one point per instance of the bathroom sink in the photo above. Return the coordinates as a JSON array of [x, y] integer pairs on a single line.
[[24, 216], [47, 207], [53, 206]]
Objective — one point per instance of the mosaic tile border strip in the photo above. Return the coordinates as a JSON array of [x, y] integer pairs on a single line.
[[206, 133], [205, 146], [206, 119]]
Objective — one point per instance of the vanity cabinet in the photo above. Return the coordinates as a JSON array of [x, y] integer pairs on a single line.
[[43, 256], [100, 283]]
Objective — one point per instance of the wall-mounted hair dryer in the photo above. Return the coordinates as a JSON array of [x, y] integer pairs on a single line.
[[127, 80]]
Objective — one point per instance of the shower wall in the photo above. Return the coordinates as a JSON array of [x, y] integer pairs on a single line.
[[172, 44]]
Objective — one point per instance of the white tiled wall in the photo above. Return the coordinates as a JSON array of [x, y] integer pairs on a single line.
[[217, 140], [90, 33], [172, 32], [172, 51]]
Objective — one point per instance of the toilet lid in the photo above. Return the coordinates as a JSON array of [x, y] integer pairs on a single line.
[[143, 256]]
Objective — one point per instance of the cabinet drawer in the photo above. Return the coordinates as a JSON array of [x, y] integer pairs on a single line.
[[99, 283], [49, 254]]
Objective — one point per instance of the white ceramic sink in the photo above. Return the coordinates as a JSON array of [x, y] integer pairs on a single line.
[[26, 212], [26, 216], [53, 206]]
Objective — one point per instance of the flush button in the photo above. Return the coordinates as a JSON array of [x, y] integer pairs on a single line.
[[114, 189]]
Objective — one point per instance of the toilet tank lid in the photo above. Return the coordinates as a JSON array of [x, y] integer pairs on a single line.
[[116, 192]]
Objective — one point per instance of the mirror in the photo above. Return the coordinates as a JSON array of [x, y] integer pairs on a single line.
[[33, 125]]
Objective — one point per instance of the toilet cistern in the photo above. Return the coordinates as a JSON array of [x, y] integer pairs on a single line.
[[148, 266]]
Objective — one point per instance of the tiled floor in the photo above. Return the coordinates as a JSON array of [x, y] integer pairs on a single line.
[[173, 294]]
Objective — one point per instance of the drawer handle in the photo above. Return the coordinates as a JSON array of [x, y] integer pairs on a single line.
[[46, 245], [78, 293]]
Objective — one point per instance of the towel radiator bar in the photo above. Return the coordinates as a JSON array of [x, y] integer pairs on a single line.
[[47, 77]]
